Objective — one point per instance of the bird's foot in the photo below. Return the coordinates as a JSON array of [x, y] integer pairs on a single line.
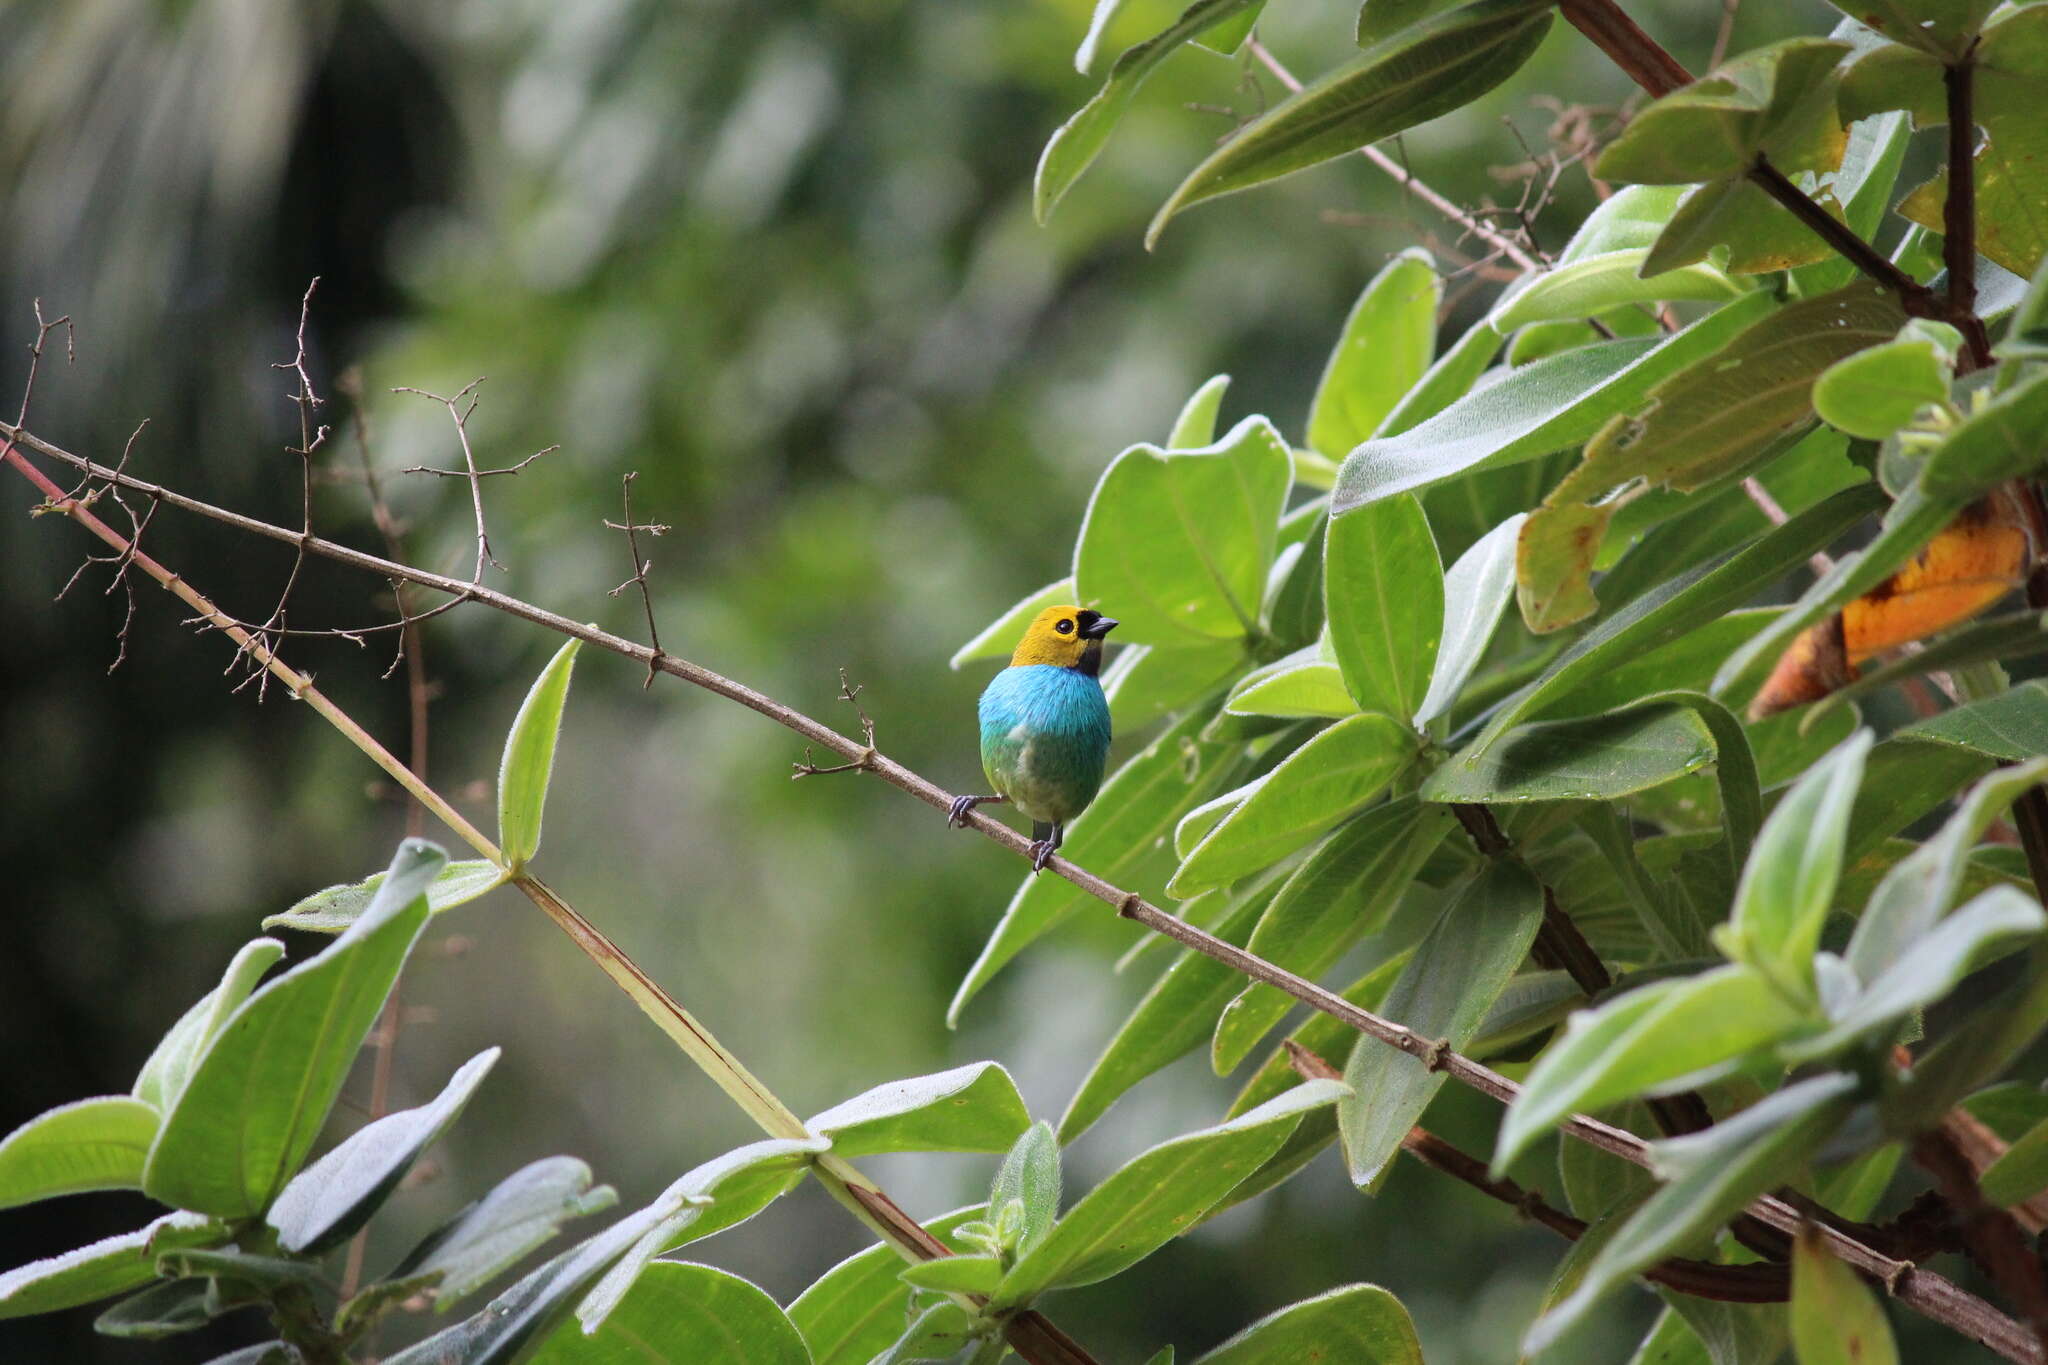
[[1041, 853], [956, 815]]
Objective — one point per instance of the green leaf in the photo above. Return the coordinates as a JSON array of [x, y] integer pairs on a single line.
[[1939, 961], [336, 908], [1446, 381], [723, 1192], [1733, 1333], [1836, 1320], [494, 1233], [1029, 1178], [999, 641], [1862, 185], [1594, 284], [1777, 100], [1641, 1042], [1169, 1022], [2000, 439], [1176, 544], [1145, 682], [940, 1332], [1196, 425], [1712, 419], [1601, 758], [2012, 202], [1941, 27], [162, 1078], [1425, 70], [1535, 409], [327, 1202], [1476, 591], [1361, 1324], [1303, 684], [1875, 392], [856, 1309], [1335, 774], [1294, 608], [1919, 889], [955, 1274], [1387, 343], [1685, 603], [242, 1269], [104, 1268], [1443, 993], [1735, 223], [1712, 1175], [1383, 594], [680, 1313], [96, 1144], [525, 1313], [973, 1108], [1155, 1197], [1790, 881], [1341, 894], [1554, 556], [258, 1098], [1130, 818], [530, 759], [162, 1310], [2021, 1172], [1081, 138]]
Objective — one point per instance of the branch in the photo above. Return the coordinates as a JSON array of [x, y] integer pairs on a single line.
[[1925, 1291], [1030, 1333], [1493, 237], [1959, 209], [1995, 1240]]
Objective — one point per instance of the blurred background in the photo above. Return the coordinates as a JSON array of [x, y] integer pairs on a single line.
[[779, 259]]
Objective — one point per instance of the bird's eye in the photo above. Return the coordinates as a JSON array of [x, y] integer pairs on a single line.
[[1064, 627]]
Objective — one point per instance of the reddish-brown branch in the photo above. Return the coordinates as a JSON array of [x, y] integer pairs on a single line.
[[1994, 1238]]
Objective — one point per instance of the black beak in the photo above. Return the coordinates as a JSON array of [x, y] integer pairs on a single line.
[[1094, 625]]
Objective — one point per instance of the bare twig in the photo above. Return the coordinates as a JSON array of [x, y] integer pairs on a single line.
[[1493, 237], [633, 529], [460, 407], [1995, 1239], [35, 354], [1723, 33], [849, 693], [1923, 1290]]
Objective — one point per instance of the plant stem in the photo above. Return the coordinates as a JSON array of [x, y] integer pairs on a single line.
[[1923, 1290], [1034, 1338], [1959, 209]]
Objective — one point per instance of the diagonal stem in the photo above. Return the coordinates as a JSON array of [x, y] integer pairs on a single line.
[[1030, 1333], [1925, 1291]]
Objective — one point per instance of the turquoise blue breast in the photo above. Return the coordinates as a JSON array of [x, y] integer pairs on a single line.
[[1045, 739]]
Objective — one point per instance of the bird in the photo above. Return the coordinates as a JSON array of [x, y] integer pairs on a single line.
[[1045, 726]]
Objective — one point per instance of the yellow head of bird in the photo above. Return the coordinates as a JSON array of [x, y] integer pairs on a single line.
[[1066, 637]]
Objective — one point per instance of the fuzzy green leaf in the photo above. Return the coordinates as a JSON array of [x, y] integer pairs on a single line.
[[530, 758], [1387, 343], [973, 1108], [1383, 595], [1361, 1324], [98, 1144]]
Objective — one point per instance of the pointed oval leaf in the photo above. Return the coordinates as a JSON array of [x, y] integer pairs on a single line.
[[1195, 427], [1383, 595], [1601, 758], [1124, 832], [1443, 993], [723, 1192], [166, 1309], [1638, 1042], [522, 1211], [1146, 682], [1030, 1179], [1340, 895], [1421, 72], [1476, 592], [334, 909], [1593, 284], [999, 640], [855, 1310], [104, 1268], [1305, 689], [1445, 382], [98, 1144], [530, 759], [1156, 1197], [1836, 1320], [328, 1201], [681, 1313], [1387, 343], [973, 1108], [1536, 409], [1875, 392], [1081, 138], [1714, 1174], [955, 1274], [1359, 1323], [162, 1078], [1790, 881], [257, 1100], [1335, 774]]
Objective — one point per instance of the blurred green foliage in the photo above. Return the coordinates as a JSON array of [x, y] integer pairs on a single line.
[[779, 259]]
